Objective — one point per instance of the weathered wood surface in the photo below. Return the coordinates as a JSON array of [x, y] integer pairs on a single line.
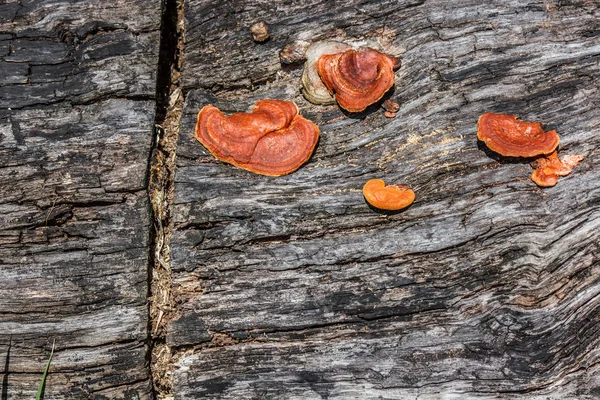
[[487, 287], [77, 88]]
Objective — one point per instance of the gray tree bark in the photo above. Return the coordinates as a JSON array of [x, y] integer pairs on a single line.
[[486, 287], [77, 88]]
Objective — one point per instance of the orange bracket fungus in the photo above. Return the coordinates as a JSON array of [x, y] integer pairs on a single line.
[[313, 88], [357, 78], [507, 136], [549, 168], [392, 197], [273, 140]]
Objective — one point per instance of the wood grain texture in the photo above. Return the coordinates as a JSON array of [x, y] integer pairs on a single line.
[[486, 287], [77, 88]]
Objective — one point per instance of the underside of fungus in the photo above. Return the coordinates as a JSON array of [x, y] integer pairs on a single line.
[[313, 88], [392, 197], [509, 137], [549, 168], [273, 140], [357, 78]]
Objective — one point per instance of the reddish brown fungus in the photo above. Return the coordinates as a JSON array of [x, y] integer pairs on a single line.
[[390, 108], [392, 197], [391, 105], [357, 78], [273, 140], [509, 137], [549, 168]]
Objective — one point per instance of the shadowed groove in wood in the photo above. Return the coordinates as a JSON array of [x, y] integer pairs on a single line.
[[160, 190]]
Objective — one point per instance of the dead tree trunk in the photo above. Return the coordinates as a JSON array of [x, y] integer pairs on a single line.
[[77, 88], [487, 287], [292, 287]]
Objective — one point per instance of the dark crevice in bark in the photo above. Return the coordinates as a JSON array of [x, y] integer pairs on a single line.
[[168, 58], [160, 190], [6, 371]]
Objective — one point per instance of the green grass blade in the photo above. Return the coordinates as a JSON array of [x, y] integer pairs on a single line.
[[40, 392]]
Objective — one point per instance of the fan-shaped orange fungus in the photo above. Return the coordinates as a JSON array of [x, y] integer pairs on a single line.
[[273, 140], [313, 88], [392, 197], [509, 137], [357, 78], [549, 168]]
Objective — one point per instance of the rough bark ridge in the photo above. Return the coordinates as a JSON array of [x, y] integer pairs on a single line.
[[487, 287], [77, 89]]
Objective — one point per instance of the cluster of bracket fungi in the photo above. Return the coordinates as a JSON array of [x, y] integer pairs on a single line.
[[507, 136], [275, 140]]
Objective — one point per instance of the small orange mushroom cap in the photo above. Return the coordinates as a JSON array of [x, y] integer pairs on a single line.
[[357, 78], [505, 135], [393, 197], [544, 177], [549, 168], [273, 140]]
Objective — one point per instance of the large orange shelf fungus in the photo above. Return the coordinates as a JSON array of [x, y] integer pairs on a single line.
[[357, 78], [549, 168], [509, 137], [274, 139], [392, 197]]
